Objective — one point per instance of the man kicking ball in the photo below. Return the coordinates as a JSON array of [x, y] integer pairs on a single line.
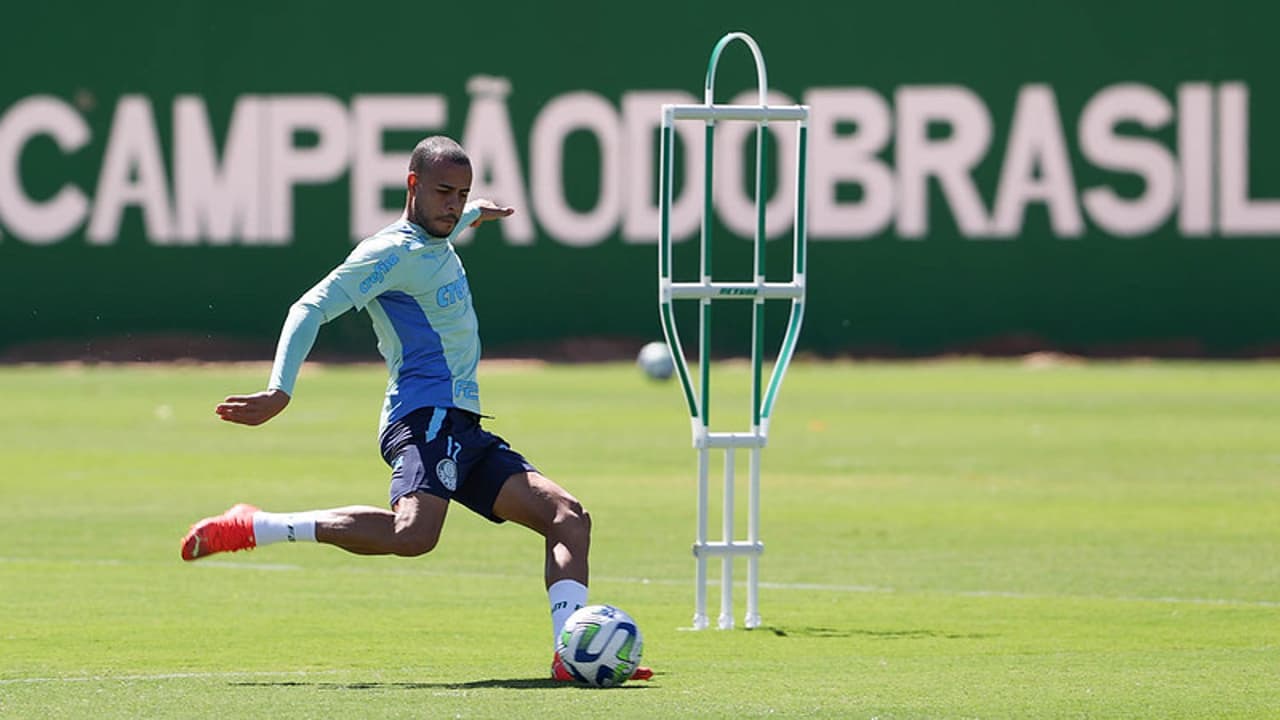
[[410, 280]]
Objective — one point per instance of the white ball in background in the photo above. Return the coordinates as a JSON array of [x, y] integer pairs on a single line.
[[655, 360]]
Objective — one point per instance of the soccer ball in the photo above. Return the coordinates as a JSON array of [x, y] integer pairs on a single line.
[[600, 645], [655, 360]]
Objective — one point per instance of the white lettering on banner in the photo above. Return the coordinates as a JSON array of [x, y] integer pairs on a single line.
[[836, 159], [558, 119], [1036, 143], [132, 174], [1148, 159], [1239, 214], [735, 208], [217, 202], [373, 169], [47, 222], [640, 123], [874, 166], [950, 159], [495, 164], [1195, 151], [288, 165]]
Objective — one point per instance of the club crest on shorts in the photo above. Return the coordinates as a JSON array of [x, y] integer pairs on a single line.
[[447, 471]]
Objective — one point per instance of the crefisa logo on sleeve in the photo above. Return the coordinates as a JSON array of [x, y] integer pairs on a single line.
[[379, 273]]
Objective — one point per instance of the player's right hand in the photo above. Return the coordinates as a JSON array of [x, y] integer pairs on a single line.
[[489, 210], [253, 409]]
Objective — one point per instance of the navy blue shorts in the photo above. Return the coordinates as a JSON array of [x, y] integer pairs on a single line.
[[444, 452]]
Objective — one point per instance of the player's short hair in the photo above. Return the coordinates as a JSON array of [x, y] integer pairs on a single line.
[[435, 149]]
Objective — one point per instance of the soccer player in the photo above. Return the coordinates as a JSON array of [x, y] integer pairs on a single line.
[[409, 279]]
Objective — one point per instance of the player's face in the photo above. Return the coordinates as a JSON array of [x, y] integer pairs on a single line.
[[439, 195]]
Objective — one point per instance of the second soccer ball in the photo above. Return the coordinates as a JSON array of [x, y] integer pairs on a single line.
[[655, 360]]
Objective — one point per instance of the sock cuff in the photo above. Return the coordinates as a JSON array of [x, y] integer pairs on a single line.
[[566, 596], [284, 527], [566, 585]]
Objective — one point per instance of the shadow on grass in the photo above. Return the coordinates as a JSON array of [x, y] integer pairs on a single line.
[[508, 683]]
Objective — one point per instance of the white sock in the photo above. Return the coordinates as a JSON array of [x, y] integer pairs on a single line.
[[566, 596], [278, 527]]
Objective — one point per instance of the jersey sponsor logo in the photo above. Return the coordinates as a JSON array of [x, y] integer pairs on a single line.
[[453, 292], [447, 472], [379, 273], [466, 389]]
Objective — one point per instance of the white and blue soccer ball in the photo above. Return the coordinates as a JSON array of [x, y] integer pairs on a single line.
[[600, 645], [655, 360]]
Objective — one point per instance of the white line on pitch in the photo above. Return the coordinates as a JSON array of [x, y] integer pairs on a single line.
[[167, 676], [810, 587]]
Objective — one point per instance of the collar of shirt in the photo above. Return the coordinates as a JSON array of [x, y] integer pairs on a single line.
[[418, 237]]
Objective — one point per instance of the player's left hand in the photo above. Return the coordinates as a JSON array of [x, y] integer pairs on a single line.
[[489, 210]]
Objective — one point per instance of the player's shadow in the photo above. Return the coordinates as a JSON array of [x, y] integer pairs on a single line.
[[507, 683]]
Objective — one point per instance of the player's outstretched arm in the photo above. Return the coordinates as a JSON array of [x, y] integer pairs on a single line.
[[253, 409]]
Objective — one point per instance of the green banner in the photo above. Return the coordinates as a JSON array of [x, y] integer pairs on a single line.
[[1100, 177]]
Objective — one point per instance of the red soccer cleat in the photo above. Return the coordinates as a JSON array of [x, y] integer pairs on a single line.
[[558, 670], [229, 532], [561, 673]]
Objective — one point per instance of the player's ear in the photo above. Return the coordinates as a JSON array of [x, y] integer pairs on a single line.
[[412, 181]]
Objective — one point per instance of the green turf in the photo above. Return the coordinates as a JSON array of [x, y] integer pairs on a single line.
[[944, 540]]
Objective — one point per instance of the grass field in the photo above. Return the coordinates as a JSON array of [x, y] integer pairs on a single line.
[[944, 540]]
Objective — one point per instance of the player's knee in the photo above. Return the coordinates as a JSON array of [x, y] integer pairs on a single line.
[[574, 521], [413, 544]]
